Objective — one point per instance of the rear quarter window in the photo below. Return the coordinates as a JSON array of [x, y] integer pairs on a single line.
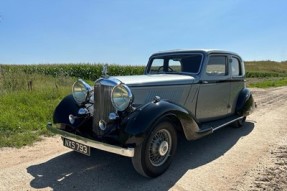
[[236, 67], [217, 66]]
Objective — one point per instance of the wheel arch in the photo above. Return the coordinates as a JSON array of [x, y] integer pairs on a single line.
[[66, 107], [245, 102], [175, 121], [140, 122]]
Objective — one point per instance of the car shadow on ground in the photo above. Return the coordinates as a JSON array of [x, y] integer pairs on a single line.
[[105, 171]]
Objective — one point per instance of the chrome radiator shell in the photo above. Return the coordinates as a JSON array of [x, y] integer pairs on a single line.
[[102, 103]]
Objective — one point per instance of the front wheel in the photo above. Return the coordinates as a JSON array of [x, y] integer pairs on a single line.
[[154, 155]]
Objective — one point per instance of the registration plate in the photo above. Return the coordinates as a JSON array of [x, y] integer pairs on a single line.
[[84, 149]]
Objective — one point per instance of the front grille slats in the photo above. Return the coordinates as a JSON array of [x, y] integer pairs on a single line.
[[102, 105]]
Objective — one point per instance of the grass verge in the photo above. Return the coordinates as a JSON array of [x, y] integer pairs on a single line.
[[25, 109], [267, 82]]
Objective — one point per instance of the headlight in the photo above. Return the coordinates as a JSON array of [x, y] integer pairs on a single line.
[[121, 97], [81, 91]]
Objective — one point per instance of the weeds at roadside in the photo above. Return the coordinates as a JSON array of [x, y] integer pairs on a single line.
[[27, 107], [269, 82]]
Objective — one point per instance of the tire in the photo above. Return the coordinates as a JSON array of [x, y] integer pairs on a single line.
[[239, 123], [155, 154]]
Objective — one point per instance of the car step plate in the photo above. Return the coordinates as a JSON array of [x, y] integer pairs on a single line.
[[81, 148]]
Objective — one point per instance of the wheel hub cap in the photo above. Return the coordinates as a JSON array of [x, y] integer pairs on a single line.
[[160, 147], [163, 148]]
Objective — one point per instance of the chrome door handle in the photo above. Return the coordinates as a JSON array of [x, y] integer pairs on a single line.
[[204, 82]]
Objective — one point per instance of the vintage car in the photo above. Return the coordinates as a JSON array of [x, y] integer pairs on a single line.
[[193, 92]]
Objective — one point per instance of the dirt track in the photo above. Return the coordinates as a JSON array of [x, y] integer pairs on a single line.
[[250, 158]]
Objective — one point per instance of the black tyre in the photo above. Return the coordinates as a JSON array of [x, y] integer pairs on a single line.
[[239, 123], [155, 154]]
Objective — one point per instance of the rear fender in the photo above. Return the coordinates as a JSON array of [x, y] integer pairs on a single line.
[[245, 102]]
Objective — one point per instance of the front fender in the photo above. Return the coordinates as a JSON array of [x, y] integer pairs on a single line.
[[139, 123], [245, 102], [66, 107]]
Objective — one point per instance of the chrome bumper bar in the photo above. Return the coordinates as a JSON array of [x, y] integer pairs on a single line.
[[128, 152]]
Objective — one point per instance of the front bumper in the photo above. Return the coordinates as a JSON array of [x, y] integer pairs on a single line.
[[128, 152]]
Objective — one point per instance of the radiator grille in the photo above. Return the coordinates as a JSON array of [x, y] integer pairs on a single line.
[[102, 105]]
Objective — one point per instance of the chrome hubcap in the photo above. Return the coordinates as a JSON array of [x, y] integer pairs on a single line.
[[159, 147], [163, 148]]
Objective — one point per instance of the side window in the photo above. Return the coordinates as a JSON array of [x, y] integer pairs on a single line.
[[156, 66], [217, 66], [174, 65], [235, 67], [191, 64]]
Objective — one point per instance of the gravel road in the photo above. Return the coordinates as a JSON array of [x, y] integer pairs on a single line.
[[250, 158]]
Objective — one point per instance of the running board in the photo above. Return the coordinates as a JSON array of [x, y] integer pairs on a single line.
[[208, 128]]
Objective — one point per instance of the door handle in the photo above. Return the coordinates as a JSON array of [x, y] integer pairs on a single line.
[[204, 82]]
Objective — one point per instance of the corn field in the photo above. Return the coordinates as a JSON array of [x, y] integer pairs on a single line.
[[254, 69], [85, 71], [265, 69]]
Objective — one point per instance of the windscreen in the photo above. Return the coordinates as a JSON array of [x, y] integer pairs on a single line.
[[176, 64]]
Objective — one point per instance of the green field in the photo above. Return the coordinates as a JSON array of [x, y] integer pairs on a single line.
[[29, 93], [264, 74]]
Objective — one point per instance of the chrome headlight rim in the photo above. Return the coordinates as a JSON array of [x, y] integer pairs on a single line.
[[83, 95], [128, 97]]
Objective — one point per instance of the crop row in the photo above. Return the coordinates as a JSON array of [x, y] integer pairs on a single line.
[[85, 71], [264, 74], [255, 69]]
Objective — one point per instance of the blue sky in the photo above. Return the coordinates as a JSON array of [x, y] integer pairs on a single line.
[[129, 31]]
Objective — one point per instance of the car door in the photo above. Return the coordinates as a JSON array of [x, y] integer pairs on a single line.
[[214, 89]]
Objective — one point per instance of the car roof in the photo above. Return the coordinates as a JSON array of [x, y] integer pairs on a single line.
[[207, 51]]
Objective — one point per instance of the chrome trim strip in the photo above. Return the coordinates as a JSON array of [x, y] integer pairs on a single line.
[[229, 122], [127, 152]]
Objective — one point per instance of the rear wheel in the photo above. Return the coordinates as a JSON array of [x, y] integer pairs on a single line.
[[155, 154], [239, 123]]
